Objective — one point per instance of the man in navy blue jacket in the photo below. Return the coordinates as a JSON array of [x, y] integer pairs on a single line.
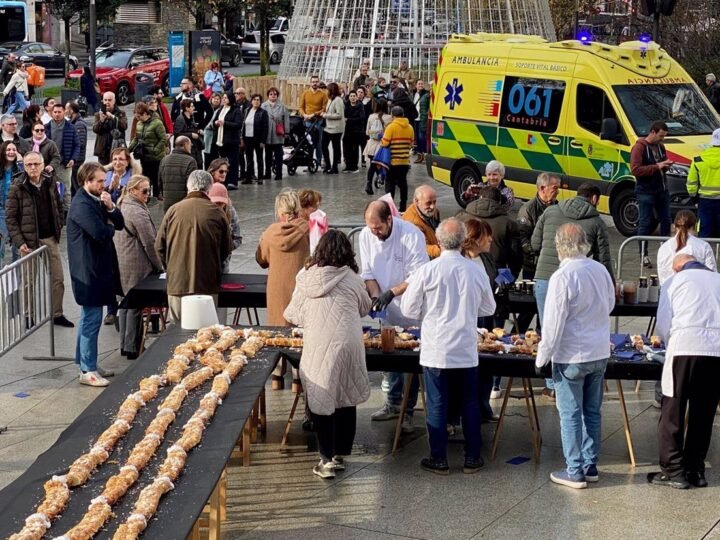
[[92, 222], [64, 135]]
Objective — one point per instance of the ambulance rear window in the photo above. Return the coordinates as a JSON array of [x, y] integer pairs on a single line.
[[680, 106], [531, 104]]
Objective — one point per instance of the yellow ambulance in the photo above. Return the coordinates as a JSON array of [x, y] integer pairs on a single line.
[[574, 108]]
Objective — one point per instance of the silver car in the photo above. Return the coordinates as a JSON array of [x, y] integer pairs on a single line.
[[251, 47]]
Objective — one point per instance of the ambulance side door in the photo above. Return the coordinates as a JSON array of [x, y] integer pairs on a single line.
[[590, 158]]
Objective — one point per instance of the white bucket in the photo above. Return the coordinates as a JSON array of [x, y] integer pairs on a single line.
[[197, 311]]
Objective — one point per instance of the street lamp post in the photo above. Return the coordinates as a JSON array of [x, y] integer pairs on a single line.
[[576, 22], [92, 24]]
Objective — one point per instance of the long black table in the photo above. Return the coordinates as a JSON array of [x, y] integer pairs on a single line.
[[150, 292], [525, 303], [180, 508], [504, 365]]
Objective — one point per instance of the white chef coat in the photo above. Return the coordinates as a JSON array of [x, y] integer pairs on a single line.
[[392, 261], [696, 247], [688, 318], [576, 320], [448, 294]]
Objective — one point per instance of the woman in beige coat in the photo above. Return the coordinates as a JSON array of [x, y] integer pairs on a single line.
[[137, 258], [329, 299], [283, 249]]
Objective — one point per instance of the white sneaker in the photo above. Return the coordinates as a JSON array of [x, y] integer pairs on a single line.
[[324, 470], [104, 372], [407, 425], [93, 378], [496, 393], [388, 412]]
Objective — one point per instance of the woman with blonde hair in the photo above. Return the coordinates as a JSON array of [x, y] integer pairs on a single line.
[[137, 258], [121, 168], [684, 241], [283, 249]]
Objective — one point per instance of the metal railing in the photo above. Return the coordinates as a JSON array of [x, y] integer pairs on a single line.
[[659, 239], [26, 302]]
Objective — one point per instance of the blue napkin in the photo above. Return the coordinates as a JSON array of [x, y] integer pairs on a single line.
[[504, 276], [632, 356], [378, 314], [618, 339], [414, 331]]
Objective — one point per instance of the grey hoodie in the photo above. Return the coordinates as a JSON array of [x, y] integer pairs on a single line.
[[576, 210]]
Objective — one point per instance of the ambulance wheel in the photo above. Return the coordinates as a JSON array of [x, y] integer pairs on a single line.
[[461, 180], [291, 170], [626, 212]]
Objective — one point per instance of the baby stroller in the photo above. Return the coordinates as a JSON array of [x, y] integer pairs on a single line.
[[302, 153]]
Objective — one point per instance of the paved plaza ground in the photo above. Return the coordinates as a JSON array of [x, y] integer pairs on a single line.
[[380, 495]]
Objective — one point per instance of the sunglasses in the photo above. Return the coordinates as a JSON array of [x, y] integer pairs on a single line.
[[39, 130], [145, 191], [222, 171]]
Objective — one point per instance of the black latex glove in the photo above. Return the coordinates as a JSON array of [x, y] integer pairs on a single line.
[[539, 371], [383, 301]]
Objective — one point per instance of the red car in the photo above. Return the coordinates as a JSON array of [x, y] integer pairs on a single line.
[[116, 67]]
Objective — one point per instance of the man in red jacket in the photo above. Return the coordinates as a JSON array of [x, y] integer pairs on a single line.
[[649, 163]]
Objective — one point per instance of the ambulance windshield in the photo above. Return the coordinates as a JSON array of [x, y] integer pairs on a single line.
[[680, 106]]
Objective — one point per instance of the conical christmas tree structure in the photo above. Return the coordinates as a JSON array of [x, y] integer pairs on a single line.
[[331, 38]]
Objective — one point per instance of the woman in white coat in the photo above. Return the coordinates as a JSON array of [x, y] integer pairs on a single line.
[[328, 302], [19, 81], [684, 242]]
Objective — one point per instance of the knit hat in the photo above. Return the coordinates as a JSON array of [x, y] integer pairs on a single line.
[[710, 77], [219, 193], [149, 99], [715, 140]]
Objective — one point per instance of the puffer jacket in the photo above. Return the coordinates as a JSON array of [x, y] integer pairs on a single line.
[[328, 303], [152, 135], [505, 249], [173, 172], [576, 210], [527, 218], [21, 211]]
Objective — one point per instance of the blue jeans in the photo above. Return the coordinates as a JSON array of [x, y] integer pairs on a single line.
[[420, 137], [648, 204], [579, 394], [316, 137], [439, 383], [86, 346], [541, 287], [709, 216], [396, 381], [19, 104]]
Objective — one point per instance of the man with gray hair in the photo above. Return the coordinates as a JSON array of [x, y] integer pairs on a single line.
[[424, 214], [109, 127], [9, 124], [576, 337], [192, 242], [448, 294], [174, 171]]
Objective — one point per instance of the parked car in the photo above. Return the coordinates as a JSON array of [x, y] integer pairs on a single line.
[[251, 47], [231, 52], [280, 25], [40, 54], [116, 67]]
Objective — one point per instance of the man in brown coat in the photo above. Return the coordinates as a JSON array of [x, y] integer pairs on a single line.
[[423, 213], [34, 219], [109, 119], [192, 242], [174, 171]]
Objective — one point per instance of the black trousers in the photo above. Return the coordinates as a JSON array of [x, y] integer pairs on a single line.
[[695, 381], [335, 139], [397, 176], [230, 152], [273, 159], [253, 153], [353, 144], [150, 169], [336, 432]]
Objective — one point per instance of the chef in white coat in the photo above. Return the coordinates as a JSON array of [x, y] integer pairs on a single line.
[[688, 321]]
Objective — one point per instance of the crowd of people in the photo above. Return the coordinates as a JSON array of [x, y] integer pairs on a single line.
[[446, 276]]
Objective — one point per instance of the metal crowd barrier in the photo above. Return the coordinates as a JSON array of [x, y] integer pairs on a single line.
[[659, 239], [26, 302]]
